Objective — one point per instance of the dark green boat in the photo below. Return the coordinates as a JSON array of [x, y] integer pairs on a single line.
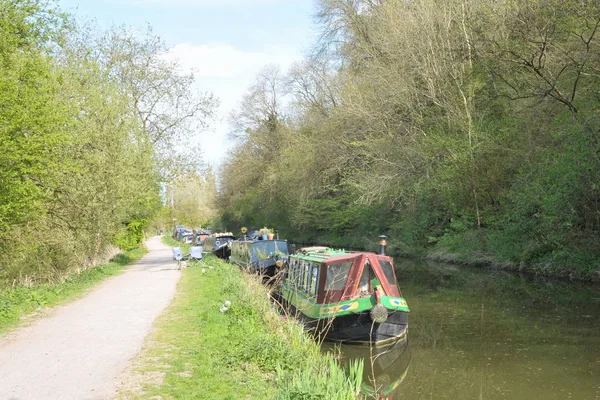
[[218, 244], [263, 257], [344, 296]]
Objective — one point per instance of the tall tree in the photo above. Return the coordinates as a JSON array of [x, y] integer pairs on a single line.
[[164, 99]]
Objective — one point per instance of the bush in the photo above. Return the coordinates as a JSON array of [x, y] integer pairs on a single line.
[[133, 235]]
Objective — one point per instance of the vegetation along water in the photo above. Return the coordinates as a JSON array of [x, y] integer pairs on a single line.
[[464, 130]]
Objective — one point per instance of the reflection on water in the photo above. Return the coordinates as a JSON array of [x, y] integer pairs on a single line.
[[385, 367], [481, 334]]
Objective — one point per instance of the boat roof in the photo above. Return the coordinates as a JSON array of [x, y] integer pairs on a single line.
[[260, 241], [320, 254], [223, 234]]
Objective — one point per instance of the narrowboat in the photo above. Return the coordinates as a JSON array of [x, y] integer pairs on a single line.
[[200, 236], [263, 257], [350, 297], [217, 243]]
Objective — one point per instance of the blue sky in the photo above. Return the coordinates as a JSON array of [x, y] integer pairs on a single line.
[[226, 42]]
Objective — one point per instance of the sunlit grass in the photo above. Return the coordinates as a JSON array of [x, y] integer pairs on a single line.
[[198, 352], [169, 241]]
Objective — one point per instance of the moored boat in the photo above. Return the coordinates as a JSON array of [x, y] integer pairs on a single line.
[[264, 257], [217, 243], [350, 297], [200, 235]]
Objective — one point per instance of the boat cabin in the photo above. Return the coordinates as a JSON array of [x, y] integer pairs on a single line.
[[264, 257], [332, 276], [200, 236], [347, 292]]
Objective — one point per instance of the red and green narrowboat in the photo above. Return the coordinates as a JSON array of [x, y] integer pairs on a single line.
[[350, 297]]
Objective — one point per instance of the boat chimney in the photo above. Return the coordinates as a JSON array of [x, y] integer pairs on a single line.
[[276, 234], [382, 244]]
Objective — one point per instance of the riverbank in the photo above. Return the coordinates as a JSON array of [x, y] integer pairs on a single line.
[[22, 303], [248, 351], [468, 251], [548, 269]]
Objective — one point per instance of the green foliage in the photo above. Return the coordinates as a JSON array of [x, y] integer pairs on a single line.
[[308, 384], [80, 161], [133, 236], [169, 241], [468, 132], [549, 219], [192, 197], [31, 129]]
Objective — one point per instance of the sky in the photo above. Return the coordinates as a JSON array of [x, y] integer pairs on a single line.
[[226, 42]]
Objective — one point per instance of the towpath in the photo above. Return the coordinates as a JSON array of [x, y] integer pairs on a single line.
[[79, 350]]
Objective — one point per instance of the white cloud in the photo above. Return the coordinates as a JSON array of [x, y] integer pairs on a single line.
[[227, 72], [211, 2], [225, 61]]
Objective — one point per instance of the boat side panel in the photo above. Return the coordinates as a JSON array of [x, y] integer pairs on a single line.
[[353, 327], [311, 308], [321, 287]]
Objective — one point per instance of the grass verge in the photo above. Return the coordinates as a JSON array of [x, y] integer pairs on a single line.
[[248, 352], [17, 302], [169, 241]]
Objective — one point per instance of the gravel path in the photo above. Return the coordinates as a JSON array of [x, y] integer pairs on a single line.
[[80, 349]]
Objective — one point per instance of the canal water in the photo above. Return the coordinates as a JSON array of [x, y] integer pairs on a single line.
[[481, 334]]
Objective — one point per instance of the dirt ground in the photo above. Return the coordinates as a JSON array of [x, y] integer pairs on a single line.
[[79, 350]]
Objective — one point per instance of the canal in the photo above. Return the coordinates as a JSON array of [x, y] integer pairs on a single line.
[[481, 334]]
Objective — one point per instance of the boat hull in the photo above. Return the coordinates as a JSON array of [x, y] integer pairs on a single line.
[[222, 252], [359, 328], [355, 328]]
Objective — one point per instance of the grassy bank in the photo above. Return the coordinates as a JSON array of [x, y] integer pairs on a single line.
[[169, 241], [486, 248], [17, 302], [249, 351]]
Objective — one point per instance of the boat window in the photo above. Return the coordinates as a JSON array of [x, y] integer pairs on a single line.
[[293, 271], [337, 275], [280, 246], [315, 280], [300, 274], [266, 249], [388, 270], [307, 277], [365, 278], [300, 277]]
